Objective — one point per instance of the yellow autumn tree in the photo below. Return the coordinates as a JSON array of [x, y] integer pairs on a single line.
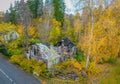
[[55, 35], [105, 40], [77, 25], [55, 32], [78, 29], [69, 30], [44, 28], [73, 28]]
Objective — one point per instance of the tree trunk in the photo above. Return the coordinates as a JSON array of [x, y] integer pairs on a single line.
[[92, 28], [26, 37]]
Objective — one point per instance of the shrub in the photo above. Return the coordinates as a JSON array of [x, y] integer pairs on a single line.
[[92, 69], [17, 59], [15, 51], [34, 41], [4, 51], [28, 65], [79, 56], [69, 66], [111, 60], [39, 67]]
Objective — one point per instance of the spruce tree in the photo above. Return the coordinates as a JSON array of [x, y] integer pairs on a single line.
[[35, 7], [59, 10], [12, 14]]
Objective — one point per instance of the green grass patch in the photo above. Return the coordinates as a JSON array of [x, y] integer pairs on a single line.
[[79, 56]]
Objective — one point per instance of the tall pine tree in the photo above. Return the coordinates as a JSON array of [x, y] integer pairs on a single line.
[[40, 8], [35, 7], [59, 10], [12, 14]]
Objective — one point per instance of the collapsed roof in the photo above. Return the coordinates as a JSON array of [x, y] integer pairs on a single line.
[[66, 42], [49, 53]]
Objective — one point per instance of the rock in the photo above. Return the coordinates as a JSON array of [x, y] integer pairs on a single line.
[[61, 77], [35, 73], [67, 78], [76, 78], [83, 73], [107, 72], [69, 75]]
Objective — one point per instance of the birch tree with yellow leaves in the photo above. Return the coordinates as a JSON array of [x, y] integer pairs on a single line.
[[104, 40]]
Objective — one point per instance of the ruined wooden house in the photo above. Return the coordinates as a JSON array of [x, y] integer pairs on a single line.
[[41, 52], [50, 54], [65, 48]]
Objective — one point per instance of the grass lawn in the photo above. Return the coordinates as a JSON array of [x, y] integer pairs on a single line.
[[114, 76]]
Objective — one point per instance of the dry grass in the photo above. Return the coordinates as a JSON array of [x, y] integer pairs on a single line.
[[114, 76], [105, 69], [59, 81], [110, 74]]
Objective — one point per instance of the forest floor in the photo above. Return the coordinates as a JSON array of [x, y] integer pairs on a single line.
[[110, 74]]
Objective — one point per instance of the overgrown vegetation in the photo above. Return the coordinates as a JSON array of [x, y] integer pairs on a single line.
[[114, 76], [48, 23], [31, 66]]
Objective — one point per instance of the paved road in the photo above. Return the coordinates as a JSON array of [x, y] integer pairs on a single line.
[[10, 74]]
